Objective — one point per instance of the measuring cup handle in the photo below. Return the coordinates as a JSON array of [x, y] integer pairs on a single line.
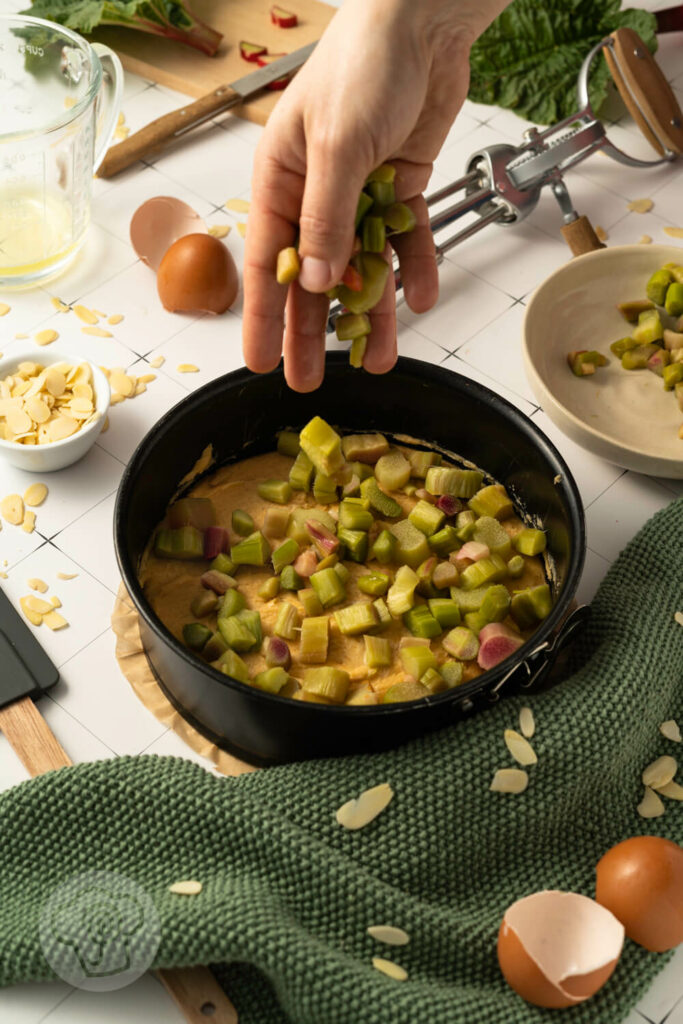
[[110, 94]]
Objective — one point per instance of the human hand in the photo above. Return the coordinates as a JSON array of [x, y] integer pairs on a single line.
[[384, 84]]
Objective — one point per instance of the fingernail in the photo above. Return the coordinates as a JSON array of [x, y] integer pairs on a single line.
[[315, 274]]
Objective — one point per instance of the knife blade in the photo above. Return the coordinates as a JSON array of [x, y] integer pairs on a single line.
[[159, 133]]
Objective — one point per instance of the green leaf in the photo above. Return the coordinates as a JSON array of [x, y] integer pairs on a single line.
[[529, 58]]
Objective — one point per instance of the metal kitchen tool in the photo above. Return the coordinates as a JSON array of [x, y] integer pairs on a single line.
[[170, 127], [26, 672], [503, 183]]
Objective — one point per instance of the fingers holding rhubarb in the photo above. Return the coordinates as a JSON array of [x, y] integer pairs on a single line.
[[417, 258]]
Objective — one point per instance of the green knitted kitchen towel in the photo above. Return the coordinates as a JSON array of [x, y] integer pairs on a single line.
[[288, 894]]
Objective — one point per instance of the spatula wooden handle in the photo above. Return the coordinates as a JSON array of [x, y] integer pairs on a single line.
[[158, 133], [198, 995], [32, 738]]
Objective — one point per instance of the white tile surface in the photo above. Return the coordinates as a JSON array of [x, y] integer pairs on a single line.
[[213, 344], [28, 1004], [621, 510], [592, 474], [497, 350], [140, 1003], [666, 992]]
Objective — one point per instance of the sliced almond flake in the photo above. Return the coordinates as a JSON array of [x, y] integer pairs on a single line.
[[157, 362], [237, 205], [37, 604], [601, 233], [36, 584], [18, 421], [115, 319], [35, 495], [388, 934], [188, 368], [358, 813], [389, 968], [122, 383], [660, 772], [55, 381], [29, 523], [4, 309], [651, 805], [219, 230], [672, 791], [140, 389], [81, 405], [85, 314], [97, 332], [45, 337], [28, 369], [674, 232], [67, 575], [54, 621], [60, 306], [645, 240], [519, 747], [641, 206], [98, 312], [37, 409], [186, 888], [61, 428], [3, 575], [678, 617], [147, 378], [116, 398], [509, 780], [527, 724], [9, 405], [82, 391], [20, 337], [671, 730], [33, 617], [55, 602], [242, 228], [12, 509]]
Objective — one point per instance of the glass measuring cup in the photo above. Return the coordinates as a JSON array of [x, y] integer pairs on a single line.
[[59, 99]]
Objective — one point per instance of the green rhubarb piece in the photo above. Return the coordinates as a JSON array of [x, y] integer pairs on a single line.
[[384, 548], [433, 680], [252, 620], [381, 502], [230, 664], [185, 543], [676, 271], [461, 643], [322, 444], [399, 218], [203, 604], [385, 173], [288, 443], [426, 517], [409, 489], [420, 621], [445, 610], [488, 531], [632, 310], [328, 682], [461, 483], [237, 633], [195, 635], [416, 660], [377, 651], [649, 328], [350, 326], [383, 614], [269, 589], [197, 512], [657, 361], [301, 473], [329, 562], [373, 235], [401, 595], [405, 690], [355, 542], [352, 516], [357, 351], [242, 523], [392, 471], [529, 541], [356, 618], [324, 489], [516, 566], [656, 287], [412, 547], [271, 680], [315, 637], [341, 571], [672, 375], [375, 583], [531, 605], [383, 192], [253, 550], [475, 621], [366, 448], [223, 564], [445, 541], [290, 579], [285, 554], [421, 462], [623, 345], [310, 601], [496, 604], [451, 672], [361, 470], [288, 265], [362, 207], [492, 501], [468, 600], [328, 587], [232, 603], [214, 647], [465, 523], [445, 575], [299, 518], [425, 571], [637, 358], [486, 570], [286, 622], [583, 363]]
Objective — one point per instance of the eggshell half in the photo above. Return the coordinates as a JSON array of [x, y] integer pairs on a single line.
[[160, 222], [556, 949], [641, 881]]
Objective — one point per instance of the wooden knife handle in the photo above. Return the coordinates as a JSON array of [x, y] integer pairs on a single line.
[[32, 738], [580, 236], [198, 995], [157, 134]]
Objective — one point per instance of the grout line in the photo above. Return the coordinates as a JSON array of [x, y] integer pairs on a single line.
[[82, 567], [77, 720], [59, 1003]]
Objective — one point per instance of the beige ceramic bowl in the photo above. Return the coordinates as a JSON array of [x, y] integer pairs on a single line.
[[625, 417]]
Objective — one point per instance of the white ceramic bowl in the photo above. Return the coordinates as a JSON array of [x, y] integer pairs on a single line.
[[45, 458], [625, 417]]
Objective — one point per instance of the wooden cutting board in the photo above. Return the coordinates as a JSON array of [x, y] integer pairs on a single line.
[[187, 70]]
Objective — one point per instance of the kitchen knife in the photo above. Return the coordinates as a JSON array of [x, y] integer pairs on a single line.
[[159, 133]]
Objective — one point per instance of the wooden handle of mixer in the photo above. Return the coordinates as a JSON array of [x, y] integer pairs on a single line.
[[580, 236]]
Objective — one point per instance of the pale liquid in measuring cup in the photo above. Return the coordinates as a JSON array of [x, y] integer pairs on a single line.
[[36, 231]]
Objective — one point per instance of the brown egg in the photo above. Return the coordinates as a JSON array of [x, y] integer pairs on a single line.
[[158, 223], [197, 275], [556, 949], [641, 882]]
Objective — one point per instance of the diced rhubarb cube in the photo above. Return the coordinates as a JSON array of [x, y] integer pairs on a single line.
[[496, 643], [252, 51], [216, 540], [283, 18]]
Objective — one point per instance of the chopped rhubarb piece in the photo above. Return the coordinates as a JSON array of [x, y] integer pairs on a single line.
[[496, 643], [216, 541], [252, 51], [307, 563], [472, 551], [448, 504], [283, 18], [324, 539], [219, 582], [352, 279]]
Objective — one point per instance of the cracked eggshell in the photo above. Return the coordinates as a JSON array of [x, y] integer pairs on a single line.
[[160, 222], [641, 882], [556, 949]]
